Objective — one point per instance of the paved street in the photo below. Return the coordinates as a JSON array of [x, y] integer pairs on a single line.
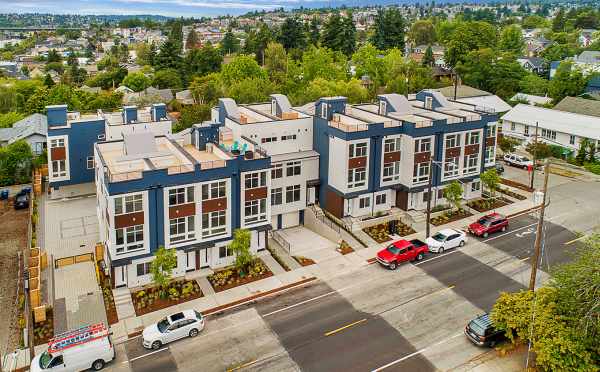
[[371, 318]]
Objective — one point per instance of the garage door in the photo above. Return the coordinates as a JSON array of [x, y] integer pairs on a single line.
[[290, 219]]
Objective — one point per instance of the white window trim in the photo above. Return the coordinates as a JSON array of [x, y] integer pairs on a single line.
[[189, 229], [214, 229]]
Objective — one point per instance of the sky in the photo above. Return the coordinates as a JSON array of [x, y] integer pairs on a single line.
[[174, 8]]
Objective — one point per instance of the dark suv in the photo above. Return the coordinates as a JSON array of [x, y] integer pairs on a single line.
[[482, 332]]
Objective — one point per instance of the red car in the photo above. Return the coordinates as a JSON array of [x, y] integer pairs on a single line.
[[401, 251], [489, 224]]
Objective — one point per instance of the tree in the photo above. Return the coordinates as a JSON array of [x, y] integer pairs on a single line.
[[48, 81], [566, 82], [292, 34], [330, 35], [491, 180], [241, 67], [324, 63], [206, 89], [241, 249], [136, 81], [367, 61], [314, 34], [558, 22], [508, 144], [534, 21], [533, 84], [168, 56], [144, 54], [203, 61], [348, 35], [467, 37], [192, 114], [167, 78], [192, 40], [276, 61], [53, 56], [230, 44], [161, 267], [257, 41], [389, 28], [511, 40], [453, 192], [422, 32], [428, 59], [15, 163], [250, 90], [539, 150], [8, 119]]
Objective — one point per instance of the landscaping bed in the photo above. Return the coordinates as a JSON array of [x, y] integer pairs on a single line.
[[303, 261], [515, 184], [44, 331], [450, 217], [484, 205], [379, 232], [278, 259], [512, 194], [231, 277], [149, 299], [345, 248], [109, 301]]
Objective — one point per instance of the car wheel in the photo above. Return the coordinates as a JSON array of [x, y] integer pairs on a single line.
[[393, 266], [419, 256], [98, 365], [440, 250], [492, 343], [485, 234], [503, 229], [156, 345], [193, 332], [462, 243]]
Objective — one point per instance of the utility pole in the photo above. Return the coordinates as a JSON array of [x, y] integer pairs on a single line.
[[535, 150], [429, 196], [538, 234]]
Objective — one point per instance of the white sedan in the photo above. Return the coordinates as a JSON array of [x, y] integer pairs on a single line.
[[446, 239], [173, 327]]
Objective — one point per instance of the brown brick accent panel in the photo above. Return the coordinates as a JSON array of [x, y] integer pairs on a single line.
[[452, 152], [357, 162], [256, 193], [182, 210], [58, 153], [391, 157], [471, 149], [490, 141], [422, 157], [214, 205], [129, 219]]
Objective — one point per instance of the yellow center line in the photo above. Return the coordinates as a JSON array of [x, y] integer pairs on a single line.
[[242, 366], [575, 240], [346, 326]]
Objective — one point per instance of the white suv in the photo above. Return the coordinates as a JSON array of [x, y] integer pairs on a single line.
[[176, 326], [517, 161]]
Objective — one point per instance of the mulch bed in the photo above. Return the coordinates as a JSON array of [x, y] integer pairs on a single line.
[[484, 205], [379, 232], [228, 278], [403, 229], [44, 331], [515, 184], [303, 261], [512, 194], [148, 299], [109, 301], [345, 248], [450, 217]]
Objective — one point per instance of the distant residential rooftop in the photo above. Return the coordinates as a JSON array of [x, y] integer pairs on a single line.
[[463, 91], [579, 105]]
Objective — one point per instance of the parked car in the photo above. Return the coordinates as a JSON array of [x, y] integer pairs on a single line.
[[499, 168], [481, 332], [446, 239], [173, 327], [401, 251], [21, 201], [489, 224], [517, 161]]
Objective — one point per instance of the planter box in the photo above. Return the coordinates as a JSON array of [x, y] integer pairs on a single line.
[[451, 218], [233, 280]]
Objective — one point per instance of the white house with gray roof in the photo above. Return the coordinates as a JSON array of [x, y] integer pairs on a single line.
[[32, 129]]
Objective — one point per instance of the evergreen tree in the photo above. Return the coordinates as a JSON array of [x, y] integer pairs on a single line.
[[292, 34], [169, 56], [331, 30], [389, 29], [348, 35], [48, 81], [558, 23], [428, 59], [313, 31], [230, 44], [192, 40]]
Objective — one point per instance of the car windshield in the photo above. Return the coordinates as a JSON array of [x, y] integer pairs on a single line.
[[45, 360], [477, 328], [163, 325], [22, 198], [392, 249], [198, 315], [439, 237], [484, 221]]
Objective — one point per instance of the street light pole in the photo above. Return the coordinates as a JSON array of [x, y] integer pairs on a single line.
[[538, 234], [429, 186], [535, 149]]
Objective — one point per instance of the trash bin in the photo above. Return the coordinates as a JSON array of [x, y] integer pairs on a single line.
[[3, 194]]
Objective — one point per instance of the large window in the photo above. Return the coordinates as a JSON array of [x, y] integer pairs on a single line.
[[128, 204], [276, 196], [391, 171], [258, 179], [452, 140], [214, 223], [548, 134], [364, 202], [129, 239], [214, 190], [292, 168], [471, 163], [421, 172], [181, 229], [391, 145], [255, 211], [451, 166], [357, 150], [490, 131], [59, 168], [423, 145], [181, 195], [292, 194], [490, 154], [472, 138], [276, 171], [356, 177]]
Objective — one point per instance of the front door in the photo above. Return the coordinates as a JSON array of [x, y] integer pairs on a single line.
[[203, 257], [120, 276], [190, 261]]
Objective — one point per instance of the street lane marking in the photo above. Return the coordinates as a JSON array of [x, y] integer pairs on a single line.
[[243, 366], [524, 259], [300, 303], [345, 327], [575, 240], [145, 355]]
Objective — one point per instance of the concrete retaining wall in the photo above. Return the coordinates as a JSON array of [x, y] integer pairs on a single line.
[[312, 223]]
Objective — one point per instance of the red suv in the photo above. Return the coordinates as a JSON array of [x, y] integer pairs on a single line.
[[489, 224]]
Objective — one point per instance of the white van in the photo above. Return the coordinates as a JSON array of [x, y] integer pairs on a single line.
[[78, 350]]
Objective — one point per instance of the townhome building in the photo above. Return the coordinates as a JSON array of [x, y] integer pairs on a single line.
[[374, 157], [286, 134]]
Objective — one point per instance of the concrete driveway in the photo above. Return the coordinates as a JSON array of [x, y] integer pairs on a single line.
[[306, 243]]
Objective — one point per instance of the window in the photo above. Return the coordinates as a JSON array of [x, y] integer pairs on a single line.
[[268, 139], [475, 186], [548, 134], [421, 172], [292, 168], [59, 168], [490, 154], [214, 223], [128, 204], [364, 202], [356, 177], [214, 190], [258, 179], [391, 145], [289, 137], [58, 142], [451, 166], [472, 138], [90, 162], [571, 140], [425, 196], [277, 171], [143, 268], [490, 131], [391, 171], [423, 145], [255, 210], [526, 132], [292, 194], [357, 150], [277, 196], [181, 195], [129, 239], [181, 229], [225, 251], [101, 137], [513, 127], [380, 199], [470, 164], [324, 110], [452, 140]]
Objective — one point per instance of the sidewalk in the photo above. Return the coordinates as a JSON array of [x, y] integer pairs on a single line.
[[492, 361]]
